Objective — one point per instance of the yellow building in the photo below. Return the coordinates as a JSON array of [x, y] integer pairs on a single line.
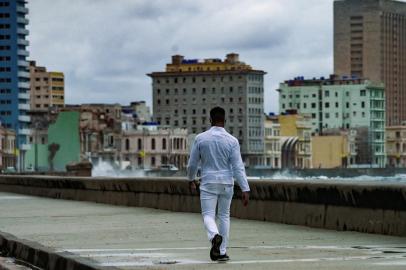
[[330, 151], [47, 88], [57, 86], [296, 140], [396, 146], [213, 64]]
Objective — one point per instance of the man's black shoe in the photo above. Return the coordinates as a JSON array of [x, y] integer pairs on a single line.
[[215, 247], [223, 258]]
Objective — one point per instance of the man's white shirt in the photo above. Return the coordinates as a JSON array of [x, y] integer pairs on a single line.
[[218, 155]]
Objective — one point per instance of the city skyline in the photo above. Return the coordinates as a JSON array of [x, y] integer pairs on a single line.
[[101, 61]]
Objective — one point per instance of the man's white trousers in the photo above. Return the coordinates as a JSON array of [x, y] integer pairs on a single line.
[[220, 195]]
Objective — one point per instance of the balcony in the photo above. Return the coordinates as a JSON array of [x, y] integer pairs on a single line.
[[25, 96], [24, 85], [24, 131], [23, 74], [23, 52], [22, 63], [24, 106], [24, 42], [22, 20], [24, 118], [22, 31], [21, 9]]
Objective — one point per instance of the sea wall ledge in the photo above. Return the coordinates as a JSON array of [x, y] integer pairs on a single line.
[[372, 207]]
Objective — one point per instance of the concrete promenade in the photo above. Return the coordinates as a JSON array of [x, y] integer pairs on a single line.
[[119, 237]]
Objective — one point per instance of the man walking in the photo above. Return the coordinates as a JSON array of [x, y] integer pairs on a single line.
[[218, 154]]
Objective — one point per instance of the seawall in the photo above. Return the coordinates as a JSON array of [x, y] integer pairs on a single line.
[[364, 207]]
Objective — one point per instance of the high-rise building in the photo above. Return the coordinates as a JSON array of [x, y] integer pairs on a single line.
[[47, 88], [186, 91], [369, 42], [14, 75], [337, 103]]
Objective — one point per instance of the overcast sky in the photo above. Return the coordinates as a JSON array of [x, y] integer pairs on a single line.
[[105, 47]]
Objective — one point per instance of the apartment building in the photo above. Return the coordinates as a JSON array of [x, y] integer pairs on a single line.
[[341, 103], [369, 42], [185, 92], [14, 75], [273, 154], [47, 88], [7, 148], [99, 131], [151, 146], [396, 146]]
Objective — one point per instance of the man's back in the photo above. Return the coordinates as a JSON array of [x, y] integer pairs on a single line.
[[219, 155], [215, 148]]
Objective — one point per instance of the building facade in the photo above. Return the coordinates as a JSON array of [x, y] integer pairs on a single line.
[[151, 146], [272, 142], [47, 88], [186, 91], [14, 75], [99, 131], [369, 42], [296, 141], [396, 146], [330, 151], [341, 103], [7, 148]]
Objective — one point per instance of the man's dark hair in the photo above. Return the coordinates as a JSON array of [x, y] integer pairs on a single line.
[[217, 115]]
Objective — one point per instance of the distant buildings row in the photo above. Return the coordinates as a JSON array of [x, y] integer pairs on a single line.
[[354, 118]]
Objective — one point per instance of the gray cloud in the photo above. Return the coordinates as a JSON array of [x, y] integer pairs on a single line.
[[105, 47]]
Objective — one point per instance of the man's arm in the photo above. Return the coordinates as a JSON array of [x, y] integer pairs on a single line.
[[238, 168], [193, 163]]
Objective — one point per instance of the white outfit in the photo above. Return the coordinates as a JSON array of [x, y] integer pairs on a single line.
[[218, 154]]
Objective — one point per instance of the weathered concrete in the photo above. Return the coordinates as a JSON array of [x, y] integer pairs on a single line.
[[115, 237], [364, 207], [41, 256]]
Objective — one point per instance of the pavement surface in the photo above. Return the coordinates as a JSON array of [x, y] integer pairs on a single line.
[[134, 238]]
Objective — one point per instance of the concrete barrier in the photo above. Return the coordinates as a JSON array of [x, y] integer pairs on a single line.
[[364, 207], [41, 256]]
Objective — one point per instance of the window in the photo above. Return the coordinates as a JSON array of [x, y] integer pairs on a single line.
[[163, 144], [127, 144], [337, 105], [326, 93], [139, 144], [153, 144], [327, 105], [152, 161], [327, 115], [363, 104], [363, 93], [313, 105]]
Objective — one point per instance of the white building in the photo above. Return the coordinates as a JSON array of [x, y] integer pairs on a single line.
[[152, 146]]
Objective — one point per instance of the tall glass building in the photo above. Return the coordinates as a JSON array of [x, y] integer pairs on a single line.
[[14, 70]]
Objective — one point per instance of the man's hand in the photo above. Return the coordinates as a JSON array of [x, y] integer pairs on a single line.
[[245, 198], [192, 186]]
